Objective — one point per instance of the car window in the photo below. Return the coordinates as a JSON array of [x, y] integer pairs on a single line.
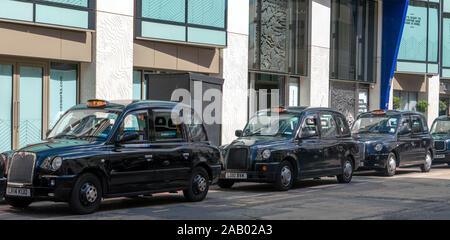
[[417, 124], [196, 129], [167, 129], [344, 130], [406, 122], [136, 122], [309, 127], [328, 125]]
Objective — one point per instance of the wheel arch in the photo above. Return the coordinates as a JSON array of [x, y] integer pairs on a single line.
[[206, 167], [100, 175], [295, 164]]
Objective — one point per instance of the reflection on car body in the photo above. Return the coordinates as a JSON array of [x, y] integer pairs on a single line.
[[440, 132]]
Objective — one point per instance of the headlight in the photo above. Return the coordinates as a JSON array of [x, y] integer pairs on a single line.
[[266, 154], [379, 147], [56, 163]]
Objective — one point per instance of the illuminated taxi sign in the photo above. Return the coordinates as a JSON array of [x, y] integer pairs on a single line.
[[278, 109], [96, 103], [379, 112]]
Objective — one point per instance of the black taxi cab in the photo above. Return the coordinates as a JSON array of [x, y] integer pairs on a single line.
[[283, 145], [394, 139], [104, 150], [440, 132]]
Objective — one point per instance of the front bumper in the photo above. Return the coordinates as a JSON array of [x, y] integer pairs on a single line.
[[54, 188], [257, 175], [441, 157], [2, 187], [374, 161]]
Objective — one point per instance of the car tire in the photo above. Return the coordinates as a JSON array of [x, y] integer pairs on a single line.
[[426, 167], [198, 185], [391, 165], [86, 194], [224, 183], [18, 202], [347, 172], [284, 178]]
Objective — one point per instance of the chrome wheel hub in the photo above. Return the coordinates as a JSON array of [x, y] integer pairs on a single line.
[[392, 165], [348, 170], [428, 161], [286, 176], [200, 184], [89, 193]]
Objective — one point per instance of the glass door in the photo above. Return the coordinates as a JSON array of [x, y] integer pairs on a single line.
[[30, 105], [6, 101]]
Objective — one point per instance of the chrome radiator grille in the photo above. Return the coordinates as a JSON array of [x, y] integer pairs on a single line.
[[237, 159], [21, 168], [439, 145]]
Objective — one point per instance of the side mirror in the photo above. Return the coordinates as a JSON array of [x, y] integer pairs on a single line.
[[128, 136], [238, 133], [405, 130]]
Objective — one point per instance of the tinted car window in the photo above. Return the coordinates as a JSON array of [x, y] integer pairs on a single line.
[[165, 128], [344, 130], [417, 124], [137, 122], [196, 129], [328, 125]]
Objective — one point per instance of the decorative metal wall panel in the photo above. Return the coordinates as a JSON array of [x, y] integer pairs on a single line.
[[343, 98]]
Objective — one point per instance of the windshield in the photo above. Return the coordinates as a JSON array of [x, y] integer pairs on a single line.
[[272, 125], [89, 124], [376, 125], [441, 127]]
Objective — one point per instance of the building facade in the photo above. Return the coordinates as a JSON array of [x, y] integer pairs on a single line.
[[337, 53]]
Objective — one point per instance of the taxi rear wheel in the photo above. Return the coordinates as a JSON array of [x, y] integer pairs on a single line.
[[284, 177], [18, 202], [347, 172], [198, 185], [86, 194]]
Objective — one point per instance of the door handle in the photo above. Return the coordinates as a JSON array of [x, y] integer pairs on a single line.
[[186, 156], [149, 158], [166, 163]]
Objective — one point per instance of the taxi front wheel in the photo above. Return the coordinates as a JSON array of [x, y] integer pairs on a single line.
[[285, 177], [86, 194], [18, 202]]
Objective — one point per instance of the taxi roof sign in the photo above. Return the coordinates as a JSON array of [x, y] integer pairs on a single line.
[[379, 112], [96, 103]]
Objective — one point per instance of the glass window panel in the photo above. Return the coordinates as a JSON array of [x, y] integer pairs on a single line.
[[16, 10], [137, 85], [433, 68], [294, 90], [168, 10], [411, 67], [163, 31], [6, 80], [433, 33], [363, 105], [62, 16], [415, 33], [81, 3], [446, 41], [271, 84], [207, 12], [30, 131], [206, 36], [63, 90], [446, 6]]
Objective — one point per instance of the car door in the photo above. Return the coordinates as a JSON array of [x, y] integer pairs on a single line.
[[310, 149], [405, 142], [418, 139], [170, 151], [129, 160], [329, 138], [344, 134]]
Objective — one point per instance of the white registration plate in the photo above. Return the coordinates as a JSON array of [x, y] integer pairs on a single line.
[[18, 192], [231, 175], [440, 156]]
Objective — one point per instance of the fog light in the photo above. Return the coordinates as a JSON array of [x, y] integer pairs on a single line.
[[264, 168]]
